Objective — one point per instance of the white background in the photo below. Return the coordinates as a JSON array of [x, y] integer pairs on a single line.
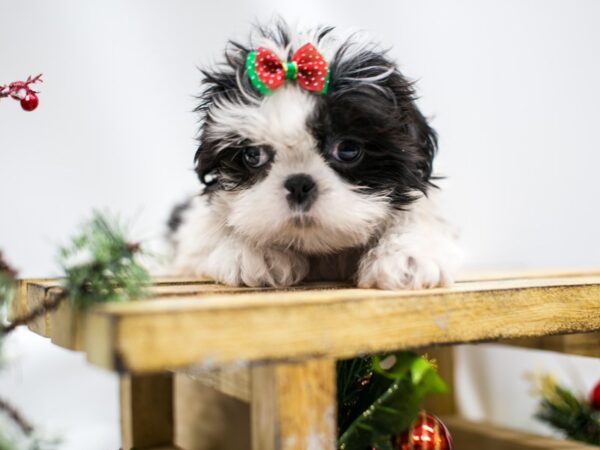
[[512, 88]]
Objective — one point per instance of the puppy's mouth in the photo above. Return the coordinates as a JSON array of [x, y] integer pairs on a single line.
[[302, 220]]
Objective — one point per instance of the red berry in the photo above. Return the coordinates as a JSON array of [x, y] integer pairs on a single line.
[[595, 397], [29, 102]]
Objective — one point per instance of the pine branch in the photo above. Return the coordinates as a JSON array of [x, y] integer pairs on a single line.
[[99, 266], [561, 409]]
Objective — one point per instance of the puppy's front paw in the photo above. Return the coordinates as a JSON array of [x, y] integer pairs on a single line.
[[236, 264], [271, 267], [406, 269]]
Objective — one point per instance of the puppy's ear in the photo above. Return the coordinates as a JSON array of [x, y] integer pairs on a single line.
[[423, 140], [206, 166], [372, 78], [222, 84]]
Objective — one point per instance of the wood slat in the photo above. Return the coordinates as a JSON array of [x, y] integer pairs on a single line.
[[582, 344], [64, 326], [234, 382], [529, 273], [335, 323], [146, 407], [215, 325], [293, 406], [484, 436], [208, 420]]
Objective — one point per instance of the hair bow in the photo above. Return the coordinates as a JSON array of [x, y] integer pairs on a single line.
[[267, 72]]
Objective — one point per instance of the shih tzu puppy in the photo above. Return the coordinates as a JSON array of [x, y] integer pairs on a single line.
[[316, 164]]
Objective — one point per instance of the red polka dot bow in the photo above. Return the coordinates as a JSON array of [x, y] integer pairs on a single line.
[[308, 67]]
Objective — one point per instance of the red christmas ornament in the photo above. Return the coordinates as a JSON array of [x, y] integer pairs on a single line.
[[29, 102], [595, 397], [427, 432]]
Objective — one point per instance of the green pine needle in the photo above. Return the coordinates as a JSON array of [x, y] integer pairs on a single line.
[[565, 412], [100, 265], [7, 281], [7, 284]]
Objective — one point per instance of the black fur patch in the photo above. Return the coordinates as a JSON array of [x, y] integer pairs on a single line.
[[382, 115], [176, 217]]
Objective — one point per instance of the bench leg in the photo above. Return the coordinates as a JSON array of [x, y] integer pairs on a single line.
[[293, 406], [146, 403], [207, 419]]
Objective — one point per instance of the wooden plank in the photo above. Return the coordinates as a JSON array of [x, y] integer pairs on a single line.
[[293, 406], [582, 344], [166, 448], [234, 382], [147, 419], [64, 326], [528, 273], [207, 419], [19, 305], [479, 436], [213, 330]]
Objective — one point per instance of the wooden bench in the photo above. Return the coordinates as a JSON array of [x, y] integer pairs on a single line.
[[275, 350]]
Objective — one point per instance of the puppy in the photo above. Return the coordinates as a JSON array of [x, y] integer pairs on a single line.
[[316, 164]]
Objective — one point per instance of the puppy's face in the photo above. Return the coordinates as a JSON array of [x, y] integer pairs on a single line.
[[316, 173]]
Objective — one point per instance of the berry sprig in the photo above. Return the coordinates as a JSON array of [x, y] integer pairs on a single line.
[[21, 90]]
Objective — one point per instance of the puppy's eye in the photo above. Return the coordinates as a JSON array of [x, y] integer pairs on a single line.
[[255, 156], [348, 151]]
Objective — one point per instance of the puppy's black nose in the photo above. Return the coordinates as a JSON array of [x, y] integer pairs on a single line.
[[302, 190]]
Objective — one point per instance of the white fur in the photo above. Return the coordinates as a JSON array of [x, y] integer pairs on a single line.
[[412, 249], [417, 250]]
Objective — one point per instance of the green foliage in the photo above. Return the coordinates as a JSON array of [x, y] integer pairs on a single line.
[[5, 444], [100, 265], [380, 396], [573, 416], [7, 281]]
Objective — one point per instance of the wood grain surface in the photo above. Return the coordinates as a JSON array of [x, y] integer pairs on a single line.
[[293, 406], [203, 325], [146, 407]]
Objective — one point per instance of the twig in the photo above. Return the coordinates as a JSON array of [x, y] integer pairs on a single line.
[[16, 416], [49, 304], [6, 268], [15, 88]]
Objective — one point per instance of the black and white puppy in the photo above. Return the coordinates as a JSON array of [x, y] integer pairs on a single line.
[[325, 184]]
